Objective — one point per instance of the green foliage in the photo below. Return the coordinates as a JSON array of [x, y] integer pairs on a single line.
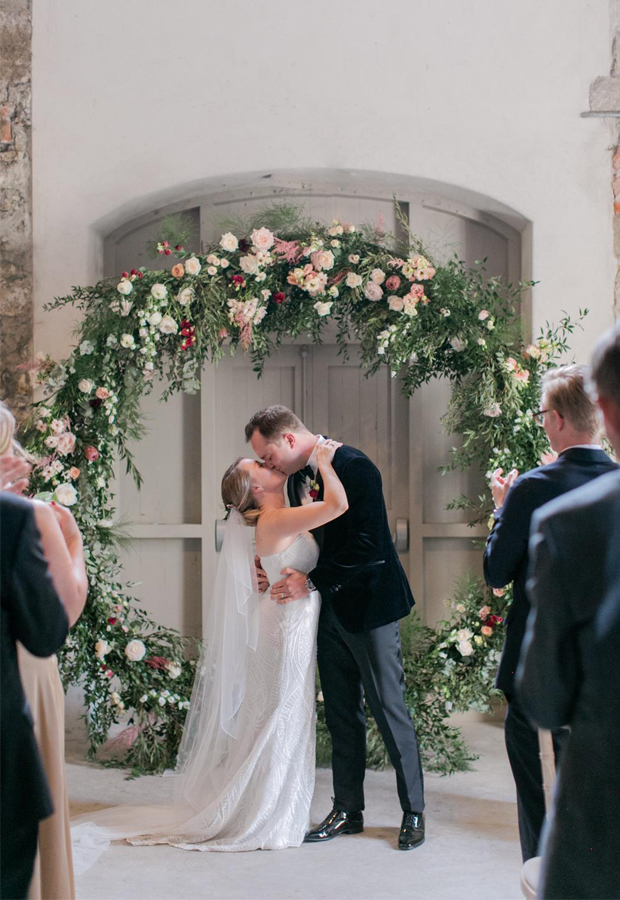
[[423, 320]]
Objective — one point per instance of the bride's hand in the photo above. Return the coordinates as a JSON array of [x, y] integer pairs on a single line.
[[325, 452]]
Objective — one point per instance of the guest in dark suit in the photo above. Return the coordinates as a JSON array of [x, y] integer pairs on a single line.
[[364, 593], [31, 612], [570, 670], [568, 415]]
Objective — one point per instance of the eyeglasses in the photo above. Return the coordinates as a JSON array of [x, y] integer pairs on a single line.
[[538, 416]]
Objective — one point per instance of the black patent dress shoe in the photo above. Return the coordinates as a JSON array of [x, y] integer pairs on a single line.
[[337, 822], [411, 831]]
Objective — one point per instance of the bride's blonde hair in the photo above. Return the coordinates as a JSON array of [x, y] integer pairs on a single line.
[[237, 492]]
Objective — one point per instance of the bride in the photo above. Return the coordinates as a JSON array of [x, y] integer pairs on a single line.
[[247, 758]]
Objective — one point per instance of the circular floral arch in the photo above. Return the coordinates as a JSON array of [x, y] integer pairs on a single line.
[[278, 277]]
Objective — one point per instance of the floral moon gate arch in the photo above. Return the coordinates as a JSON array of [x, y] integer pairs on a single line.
[[280, 277]]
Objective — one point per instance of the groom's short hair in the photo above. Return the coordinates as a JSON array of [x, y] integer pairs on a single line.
[[273, 422], [565, 390]]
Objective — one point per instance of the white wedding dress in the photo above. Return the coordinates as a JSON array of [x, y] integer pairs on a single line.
[[258, 795]]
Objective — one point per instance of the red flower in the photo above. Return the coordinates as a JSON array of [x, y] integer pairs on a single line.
[[167, 252], [178, 247], [314, 493], [165, 244], [157, 662], [134, 272], [495, 620], [91, 453], [279, 297], [140, 274], [238, 280], [112, 620]]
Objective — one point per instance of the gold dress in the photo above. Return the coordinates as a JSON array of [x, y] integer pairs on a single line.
[[53, 871]]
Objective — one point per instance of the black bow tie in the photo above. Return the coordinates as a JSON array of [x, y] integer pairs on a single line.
[[306, 472]]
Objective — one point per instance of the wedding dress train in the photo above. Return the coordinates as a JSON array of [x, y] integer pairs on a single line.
[[254, 794]]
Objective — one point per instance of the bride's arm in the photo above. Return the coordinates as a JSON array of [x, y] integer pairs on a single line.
[[289, 522]]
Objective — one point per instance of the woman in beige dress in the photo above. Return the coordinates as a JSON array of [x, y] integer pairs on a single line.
[[62, 545]]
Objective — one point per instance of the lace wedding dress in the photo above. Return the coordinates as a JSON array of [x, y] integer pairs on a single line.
[[258, 795]]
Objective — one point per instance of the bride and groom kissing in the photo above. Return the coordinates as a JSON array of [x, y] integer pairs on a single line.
[[325, 584]]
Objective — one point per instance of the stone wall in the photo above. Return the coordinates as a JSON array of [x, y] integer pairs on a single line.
[[16, 270]]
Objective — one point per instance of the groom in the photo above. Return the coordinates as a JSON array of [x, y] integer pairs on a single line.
[[364, 593]]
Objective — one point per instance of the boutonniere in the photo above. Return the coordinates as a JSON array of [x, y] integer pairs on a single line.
[[313, 488]]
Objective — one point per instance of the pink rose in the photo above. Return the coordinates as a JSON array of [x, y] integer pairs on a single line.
[[486, 631], [91, 453], [74, 473], [393, 283], [523, 376], [322, 259], [66, 443], [416, 292], [511, 364], [484, 314], [484, 611], [102, 393], [373, 291], [262, 239], [499, 592]]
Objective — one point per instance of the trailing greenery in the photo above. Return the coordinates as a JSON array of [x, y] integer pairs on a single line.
[[280, 277]]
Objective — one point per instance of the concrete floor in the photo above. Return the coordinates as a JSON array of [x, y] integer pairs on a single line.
[[471, 852]]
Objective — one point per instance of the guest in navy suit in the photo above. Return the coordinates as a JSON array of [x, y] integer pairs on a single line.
[[569, 417], [570, 670]]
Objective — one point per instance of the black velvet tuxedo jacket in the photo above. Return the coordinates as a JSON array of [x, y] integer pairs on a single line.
[[570, 675], [31, 612], [506, 554], [359, 571]]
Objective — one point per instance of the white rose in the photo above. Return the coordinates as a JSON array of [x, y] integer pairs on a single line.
[[155, 319], [159, 291], [135, 651], [457, 344], [323, 259], [262, 238], [86, 348], [378, 276], [102, 648], [192, 266], [463, 634], [373, 291], [211, 270], [224, 263], [229, 242], [185, 296], [354, 280], [126, 307], [124, 287], [465, 648], [65, 494], [249, 264], [86, 385], [323, 308], [162, 701], [333, 291], [261, 276], [396, 303], [66, 443], [144, 698], [168, 325], [127, 341], [174, 670], [335, 243]]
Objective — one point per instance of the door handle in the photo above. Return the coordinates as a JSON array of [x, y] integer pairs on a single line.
[[220, 531], [401, 535]]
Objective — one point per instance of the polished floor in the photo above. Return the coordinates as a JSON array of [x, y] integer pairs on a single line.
[[471, 852]]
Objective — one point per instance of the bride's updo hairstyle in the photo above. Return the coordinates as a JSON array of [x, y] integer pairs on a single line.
[[237, 492]]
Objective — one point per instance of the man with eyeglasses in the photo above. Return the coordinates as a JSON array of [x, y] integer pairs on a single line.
[[569, 417]]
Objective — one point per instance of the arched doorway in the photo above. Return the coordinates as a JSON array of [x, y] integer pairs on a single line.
[[193, 439]]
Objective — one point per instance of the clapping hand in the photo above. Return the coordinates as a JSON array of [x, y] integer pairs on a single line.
[[500, 486], [14, 473]]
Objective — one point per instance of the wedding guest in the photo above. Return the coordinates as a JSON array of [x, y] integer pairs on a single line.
[[33, 613], [570, 671], [62, 546], [569, 418]]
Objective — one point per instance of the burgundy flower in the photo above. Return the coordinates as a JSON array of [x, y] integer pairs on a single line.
[[243, 245], [314, 493], [96, 402], [112, 620], [178, 247], [279, 297], [124, 274], [238, 280]]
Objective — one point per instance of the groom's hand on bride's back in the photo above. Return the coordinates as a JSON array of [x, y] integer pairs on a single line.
[[261, 575], [292, 587]]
